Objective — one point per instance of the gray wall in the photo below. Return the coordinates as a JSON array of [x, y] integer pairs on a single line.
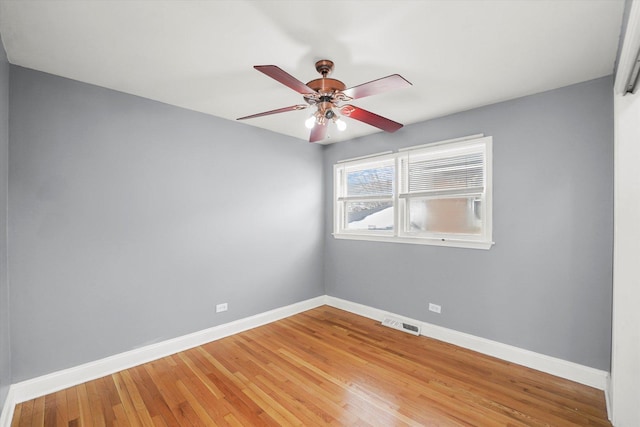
[[131, 219], [5, 349], [546, 285]]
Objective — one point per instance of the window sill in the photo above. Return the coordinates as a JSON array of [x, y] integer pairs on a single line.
[[468, 244]]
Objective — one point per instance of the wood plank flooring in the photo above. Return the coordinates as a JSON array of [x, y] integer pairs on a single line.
[[321, 367]]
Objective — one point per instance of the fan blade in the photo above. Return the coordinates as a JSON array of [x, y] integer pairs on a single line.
[[370, 118], [318, 133], [279, 110], [374, 87], [285, 78]]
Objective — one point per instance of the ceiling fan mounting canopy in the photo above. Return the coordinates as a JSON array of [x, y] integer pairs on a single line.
[[324, 67], [328, 94]]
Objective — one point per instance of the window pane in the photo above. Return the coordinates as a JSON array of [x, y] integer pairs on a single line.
[[370, 182], [369, 215], [461, 215]]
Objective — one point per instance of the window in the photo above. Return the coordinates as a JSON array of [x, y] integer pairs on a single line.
[[438, 194], [366, 196]]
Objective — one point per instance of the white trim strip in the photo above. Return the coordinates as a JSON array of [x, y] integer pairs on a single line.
[[387, 237], [7, 410], [469, 191], [607, 398], [541, 362], [446, 141], [383, 153], [630, 49], [367, 198]]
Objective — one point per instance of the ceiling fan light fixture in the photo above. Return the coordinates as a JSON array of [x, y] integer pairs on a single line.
[[310, 122], [341, 125]]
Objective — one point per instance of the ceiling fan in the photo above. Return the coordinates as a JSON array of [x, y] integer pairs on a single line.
[[328, 96]]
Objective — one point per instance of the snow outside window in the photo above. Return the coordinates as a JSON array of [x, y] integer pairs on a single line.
[[438, 194]]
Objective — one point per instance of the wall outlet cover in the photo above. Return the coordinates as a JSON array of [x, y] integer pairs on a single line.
[[435, 308]]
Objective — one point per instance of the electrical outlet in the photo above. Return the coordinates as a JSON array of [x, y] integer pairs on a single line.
[[435, 308], [222, 307]]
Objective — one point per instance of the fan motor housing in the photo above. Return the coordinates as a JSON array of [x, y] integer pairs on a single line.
[[325, 85]]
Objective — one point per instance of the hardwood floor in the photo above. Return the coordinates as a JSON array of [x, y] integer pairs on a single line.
[[323, 366]]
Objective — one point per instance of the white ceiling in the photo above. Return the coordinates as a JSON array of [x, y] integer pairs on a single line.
[[459, 54]]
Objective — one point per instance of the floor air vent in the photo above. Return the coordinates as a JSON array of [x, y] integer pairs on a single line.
[[401, 326]]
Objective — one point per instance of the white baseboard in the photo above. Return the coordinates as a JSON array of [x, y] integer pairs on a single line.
[[561, 368], [60, 380], [607, 398], [66, 378], [7, 409]]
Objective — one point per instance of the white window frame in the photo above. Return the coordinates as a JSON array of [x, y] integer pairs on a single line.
[[340, 175], [401, 196]]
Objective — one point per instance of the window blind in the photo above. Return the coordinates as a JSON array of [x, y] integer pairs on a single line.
[[444, 172]]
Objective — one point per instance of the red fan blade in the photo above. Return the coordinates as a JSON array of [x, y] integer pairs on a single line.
[[285, 78], [394, 81], [279, 110], [370, 118], [318, 133]]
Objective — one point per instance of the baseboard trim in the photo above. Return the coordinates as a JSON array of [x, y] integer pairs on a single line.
[[607, 398], [66, 378], [7, 409], [561, 368]]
